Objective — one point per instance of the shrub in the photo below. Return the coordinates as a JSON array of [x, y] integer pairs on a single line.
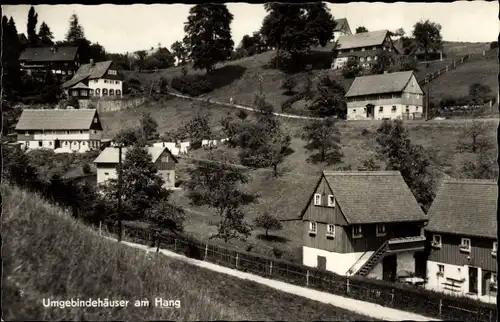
[[73, 102], [178, 183], [277, 252], [365, 132], [192, 85], [86, 168], [289, 84], [242, 114], [494, 44]]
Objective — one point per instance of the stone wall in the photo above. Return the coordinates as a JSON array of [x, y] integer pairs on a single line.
[[111, 105]]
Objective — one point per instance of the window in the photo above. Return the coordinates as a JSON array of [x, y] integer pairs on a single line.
[[330, 230], [440, 270], [361, 59], [81, 131], [317, 199], [66, 143], [436, 241], [363, 49], [83, 143], [407, 95], [357, 232], [390, 49], [340, 51], [352, 50], [375, 57], [105, 81], [407, 109], [112, 72], [40, 143], [106, 173], [381, 109], [97, 91], [381, 230], [368, 58], [465, 245], [374, 48], [164, 158], [494, 278], [85, 93], [27, 133], [354, 110], [95, 120], [91, 92], [313, 227], [416, 108], [104, 91], [117, 82], [331, 201], [50, 143], [67, 132], [394, 108], [111, 92], [118, 92], [384, 48], [495, 248]]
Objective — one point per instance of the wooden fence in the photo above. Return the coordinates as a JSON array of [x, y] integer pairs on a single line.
[[398, 296]]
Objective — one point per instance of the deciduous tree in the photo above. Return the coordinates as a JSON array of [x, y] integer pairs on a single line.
[[198, 129], [323, 136], [329, 98], [428, 36], [479, 94], [148, 126], [483, 167], [289, 84], [179, 50], [361, 29], [474, 137], [268, 222], [129, 137]]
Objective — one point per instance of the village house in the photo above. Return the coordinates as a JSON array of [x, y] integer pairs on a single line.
[[385, 96], [341, 28], [59, 60], [364, 223], [463, 236], [95, 80], [364, 48], [162, 158], [77, 130]]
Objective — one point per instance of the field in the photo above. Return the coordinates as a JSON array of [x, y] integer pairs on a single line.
[[48, 255], [286, 195]]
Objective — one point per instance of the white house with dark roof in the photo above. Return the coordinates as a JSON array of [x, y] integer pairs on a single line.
[[341, 28], [463, 237], [364, 223], [71, 130], [385, 96], [366, 48], [95, 80], [162, 158]]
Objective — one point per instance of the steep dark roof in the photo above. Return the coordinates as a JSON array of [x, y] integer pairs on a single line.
[[46, 54], [77, 119], [379, 84], [465, 207], [373, 197], [90, 71], [340, 24], [365, 39]]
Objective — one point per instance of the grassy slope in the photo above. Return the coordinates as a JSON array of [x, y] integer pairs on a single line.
[[46, 254], [285, 196]]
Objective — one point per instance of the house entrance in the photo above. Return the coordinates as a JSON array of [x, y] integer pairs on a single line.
[[473, 282], [57, 144], [370, 108], [389, 268], [322, 262]]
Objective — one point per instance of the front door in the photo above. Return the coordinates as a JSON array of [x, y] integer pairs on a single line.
[[389, 268], [322, 262], [473, 280], [57, 144]]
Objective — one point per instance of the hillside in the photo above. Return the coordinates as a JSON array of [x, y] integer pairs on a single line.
[[47, 255], [286, 195]]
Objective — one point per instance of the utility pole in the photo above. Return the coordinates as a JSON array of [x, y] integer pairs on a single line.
[[119, 192], [261, 79], [428, 101]]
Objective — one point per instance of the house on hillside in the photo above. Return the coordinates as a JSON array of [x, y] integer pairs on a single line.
[[462, 231], [365, 48], [59, 60], [95, 80], [364, 223], [72, 130], [341, 28], [162, 158], [385, 96]]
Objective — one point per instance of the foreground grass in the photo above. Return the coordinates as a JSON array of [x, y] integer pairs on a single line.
[[48, 255]]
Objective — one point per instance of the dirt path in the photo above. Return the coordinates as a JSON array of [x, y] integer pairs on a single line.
[[366, 308]]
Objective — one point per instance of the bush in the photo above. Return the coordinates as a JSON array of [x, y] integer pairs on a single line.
[[86, 168], [178, 183], [365, 132], [277, 252], [494, 44], [73, 102], [192, 85]]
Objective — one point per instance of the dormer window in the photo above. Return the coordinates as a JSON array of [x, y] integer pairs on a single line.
[[313, 227], [331, 201], [357, 232], [317, 199], [363, 49], [381, 230]]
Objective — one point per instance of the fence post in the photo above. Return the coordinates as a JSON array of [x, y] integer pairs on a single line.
[[123, 232], [392, 296], [206, 251], [446, 67], [347, 286], [158, 240], [440, 307], [100, 228], [307, 278], [236, 260], [491, 315], [270, 268], [175, 245]]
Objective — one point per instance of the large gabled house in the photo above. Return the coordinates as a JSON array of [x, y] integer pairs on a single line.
[[365, 48], [341, 28], [95, 79], [162, 158], [364, 223], [463, 236], [385, 96], [71, 130], [62, 60]]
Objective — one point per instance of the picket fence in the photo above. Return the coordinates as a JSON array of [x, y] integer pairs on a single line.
[[397, 296]]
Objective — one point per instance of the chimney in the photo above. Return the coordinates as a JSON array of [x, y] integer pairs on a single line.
[[91, 62]]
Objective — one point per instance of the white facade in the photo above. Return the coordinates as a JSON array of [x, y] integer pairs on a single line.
[[339, 63], [339, 263], [104, 174], [106, 87], [71, 141], [459, 275], [337, 34], [391, 111]]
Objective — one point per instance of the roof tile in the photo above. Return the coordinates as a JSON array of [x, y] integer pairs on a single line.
[[379, 84], [110, 154], [41, 119], [364, 39], [45, 54]]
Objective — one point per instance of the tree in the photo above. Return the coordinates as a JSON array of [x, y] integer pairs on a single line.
[[398, 33], [11, 81], [329, 98], [428, 36], [361, 29], [395, 148], [97, 52], [128, 137], [166, 216], [17, 167], [179, 50], [474, 137], [148, 127], [86, 168], [141, 186], [45, 36], [141, 59], [268, 222], [198, 129], [31, 27], [217, 184], [208, 34], [369, 164], [352, 69], [75, 31], [479, 94], [164, 57], [289, 84], [323, 136], [483, 168]]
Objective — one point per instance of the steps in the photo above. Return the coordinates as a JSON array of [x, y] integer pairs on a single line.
[[372, 261]]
